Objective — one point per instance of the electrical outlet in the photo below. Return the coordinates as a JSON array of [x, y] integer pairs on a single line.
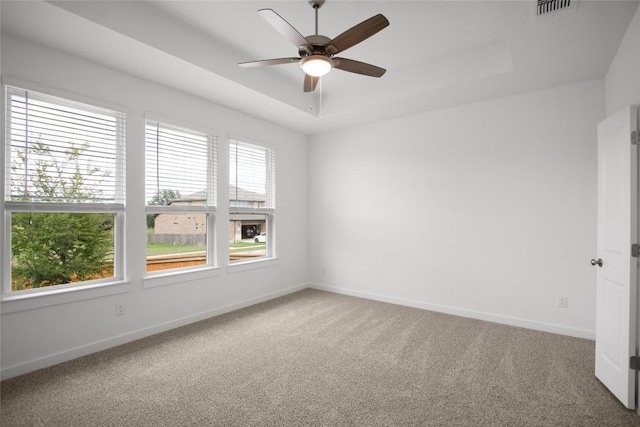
[[120, 310], [563, 302]]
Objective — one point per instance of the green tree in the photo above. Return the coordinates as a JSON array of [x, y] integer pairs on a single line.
[[164, 197], [56, 248]]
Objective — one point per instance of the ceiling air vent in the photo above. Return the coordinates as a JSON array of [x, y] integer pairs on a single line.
[[552, 7]]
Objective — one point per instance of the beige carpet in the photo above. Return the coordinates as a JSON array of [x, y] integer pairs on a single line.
[[320, 359]]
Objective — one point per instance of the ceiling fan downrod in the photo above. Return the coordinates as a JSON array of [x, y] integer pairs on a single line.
[[316, 4]]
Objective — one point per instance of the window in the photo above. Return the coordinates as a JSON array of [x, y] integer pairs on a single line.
[[180, 194], [64, 193], [251, 202]]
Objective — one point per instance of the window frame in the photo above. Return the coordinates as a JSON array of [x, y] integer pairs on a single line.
[[209, 209], [9, 207], [270, 204]]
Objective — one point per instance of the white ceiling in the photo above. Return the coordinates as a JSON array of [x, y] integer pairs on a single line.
[[437, 54]]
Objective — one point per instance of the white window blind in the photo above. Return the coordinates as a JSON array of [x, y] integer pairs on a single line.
[[251, 176], [179, 160], [63, 151]]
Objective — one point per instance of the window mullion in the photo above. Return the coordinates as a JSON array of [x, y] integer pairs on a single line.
[[63, 207]]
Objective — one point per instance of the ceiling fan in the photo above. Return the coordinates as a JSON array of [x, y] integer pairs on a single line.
[[317, 51]]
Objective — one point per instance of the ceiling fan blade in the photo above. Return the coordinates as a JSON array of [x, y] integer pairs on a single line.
[[265, 62], [358, 67], [357, 33], [310, 83], [284, 28]]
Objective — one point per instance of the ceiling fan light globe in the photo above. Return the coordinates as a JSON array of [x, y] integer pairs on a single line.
[[316, 65]]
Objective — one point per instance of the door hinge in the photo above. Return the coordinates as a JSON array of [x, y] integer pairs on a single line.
[[633, 362], [634, 137], [635, 250]]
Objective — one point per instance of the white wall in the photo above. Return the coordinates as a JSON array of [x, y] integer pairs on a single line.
[[34, 336], [622, 82], [486, 210]]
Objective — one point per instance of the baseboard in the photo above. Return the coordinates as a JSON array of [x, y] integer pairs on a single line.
[[505, 320], [54, 359]]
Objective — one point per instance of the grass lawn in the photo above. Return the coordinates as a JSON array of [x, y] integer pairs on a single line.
[[166, 249], [246, 246]]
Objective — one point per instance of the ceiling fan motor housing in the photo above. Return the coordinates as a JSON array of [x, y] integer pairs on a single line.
[[317, 43]]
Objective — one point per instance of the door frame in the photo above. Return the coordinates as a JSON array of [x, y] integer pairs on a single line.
[[637, 284]]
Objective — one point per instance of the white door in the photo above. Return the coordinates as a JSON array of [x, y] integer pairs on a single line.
[[616, 268]]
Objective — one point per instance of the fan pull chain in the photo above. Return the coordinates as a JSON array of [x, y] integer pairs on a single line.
[[320, 99]]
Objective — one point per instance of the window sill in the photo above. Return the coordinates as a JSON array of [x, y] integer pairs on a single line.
[[252, 265], [176, 277], [46, 298]]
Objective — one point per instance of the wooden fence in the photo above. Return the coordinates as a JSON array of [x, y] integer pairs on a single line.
[[178, 239], [165, 262]]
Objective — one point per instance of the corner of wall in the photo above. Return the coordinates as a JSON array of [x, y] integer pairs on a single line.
[[622, 82]]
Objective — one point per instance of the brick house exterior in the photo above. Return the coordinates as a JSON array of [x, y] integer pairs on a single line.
[[241, 226], [182, 223]]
